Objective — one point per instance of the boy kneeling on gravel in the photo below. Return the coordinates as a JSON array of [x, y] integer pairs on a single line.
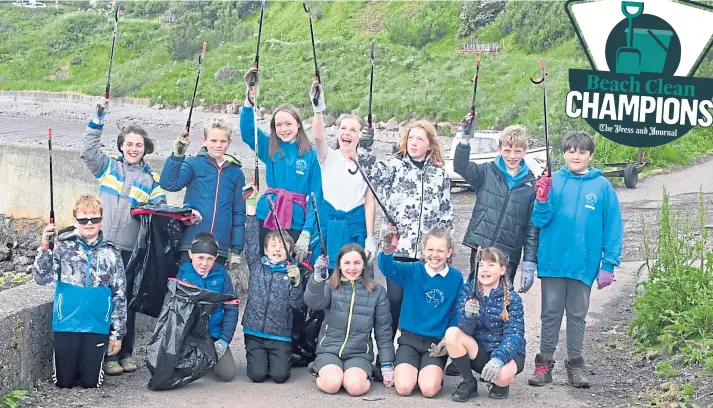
[[89, 312], [581, 239]]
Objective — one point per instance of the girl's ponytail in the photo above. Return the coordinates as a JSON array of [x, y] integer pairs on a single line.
[[506, 298]]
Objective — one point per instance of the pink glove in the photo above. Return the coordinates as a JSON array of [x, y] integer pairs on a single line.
[[542, 188], [387, 372], [604, 279]]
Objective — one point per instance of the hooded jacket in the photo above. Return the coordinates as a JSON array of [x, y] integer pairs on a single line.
[[121, 186], [418, 199], [215, 192], [351, 313], [581, 229], [223, 321], [504, 339], [76, 264], [271, 297], [502, 212]]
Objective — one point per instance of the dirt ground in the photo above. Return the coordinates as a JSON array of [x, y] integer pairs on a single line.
[[620, 376]]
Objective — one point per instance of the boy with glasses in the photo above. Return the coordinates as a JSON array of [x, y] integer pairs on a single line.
[[89, 312]]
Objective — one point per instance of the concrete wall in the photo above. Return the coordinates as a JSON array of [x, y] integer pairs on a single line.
[[24, 181], [42, 96], [26, 341]]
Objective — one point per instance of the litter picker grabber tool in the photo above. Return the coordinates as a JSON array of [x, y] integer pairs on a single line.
[[195, 89], [280, 230], [100, 108], [308, 10], [371, 83], [49, 143], [319, 226], [476, 265], [394, 238], [475, 86], [543, 81], [252, 82]]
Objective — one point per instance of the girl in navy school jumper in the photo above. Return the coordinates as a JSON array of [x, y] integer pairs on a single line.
[[348, 208], [214, 189], [490, 337], [431, 290], [292, 171]]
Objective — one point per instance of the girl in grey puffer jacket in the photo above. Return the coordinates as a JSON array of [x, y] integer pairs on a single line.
[[354, 306]]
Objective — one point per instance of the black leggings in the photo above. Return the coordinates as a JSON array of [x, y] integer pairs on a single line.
[[395, 293], [79, 356]]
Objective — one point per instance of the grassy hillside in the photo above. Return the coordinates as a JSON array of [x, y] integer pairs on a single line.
[[418, 71]]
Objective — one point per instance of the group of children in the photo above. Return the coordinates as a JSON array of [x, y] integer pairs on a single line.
[[567, 227]]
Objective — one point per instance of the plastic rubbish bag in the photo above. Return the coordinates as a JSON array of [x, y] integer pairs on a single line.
[[181, 348], [155, 256], [305, 326]]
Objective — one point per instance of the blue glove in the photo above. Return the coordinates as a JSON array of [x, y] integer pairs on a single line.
[[102, 109], [527, 276], [491, 370]]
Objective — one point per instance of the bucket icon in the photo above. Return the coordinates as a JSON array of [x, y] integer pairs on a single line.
[[653, 48]]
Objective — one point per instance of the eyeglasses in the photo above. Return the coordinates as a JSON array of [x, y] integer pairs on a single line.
[[84, 221]]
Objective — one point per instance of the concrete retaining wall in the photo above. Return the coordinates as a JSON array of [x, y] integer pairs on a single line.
[[43, 96], [26, 341], [24, 181]]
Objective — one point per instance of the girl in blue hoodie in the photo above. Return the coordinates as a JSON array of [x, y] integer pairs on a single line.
[[203, 272], [581, 239], [292, 171]]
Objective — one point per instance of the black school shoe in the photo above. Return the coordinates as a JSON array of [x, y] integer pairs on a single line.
[[465, 391], [498, 392]]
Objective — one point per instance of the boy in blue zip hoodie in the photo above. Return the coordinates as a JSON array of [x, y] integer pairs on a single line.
[[274, 291], [214, 183], [89, 311], [581, 239], [203, 272]]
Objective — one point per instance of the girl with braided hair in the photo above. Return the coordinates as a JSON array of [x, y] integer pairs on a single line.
[[490, 336]]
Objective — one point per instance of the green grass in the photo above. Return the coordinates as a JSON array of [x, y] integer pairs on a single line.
[[431, 82]]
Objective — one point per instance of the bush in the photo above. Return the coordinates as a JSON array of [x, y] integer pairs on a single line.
[[538, 25], [418, 32], [478, 13], [675, 312]]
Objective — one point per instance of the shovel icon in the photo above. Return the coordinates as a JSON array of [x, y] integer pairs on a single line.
[[628, 59]]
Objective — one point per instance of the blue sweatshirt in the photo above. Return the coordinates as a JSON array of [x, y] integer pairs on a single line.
[[429, 303], [512, 181], [581, 229], [289, 172], [223, 321]]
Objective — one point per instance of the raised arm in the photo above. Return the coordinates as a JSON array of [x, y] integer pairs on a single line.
[[176, 173], [399, 272], [96, 161], [473, 173], [252, 238], [247, 133]]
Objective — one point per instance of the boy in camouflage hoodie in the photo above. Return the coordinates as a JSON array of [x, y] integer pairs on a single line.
[[89, 312]]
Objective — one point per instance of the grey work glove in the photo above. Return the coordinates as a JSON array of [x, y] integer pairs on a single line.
[[438, 350], [302, 246], [491, 370], [527, 276], [366, 138], [221, 346], [321, 105]]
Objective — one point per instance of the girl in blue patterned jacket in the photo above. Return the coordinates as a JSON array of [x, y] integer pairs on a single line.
[[490, 337]]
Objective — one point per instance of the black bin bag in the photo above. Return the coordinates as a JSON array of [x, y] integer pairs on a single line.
[[155, 256], [305, 326], [181, 348]]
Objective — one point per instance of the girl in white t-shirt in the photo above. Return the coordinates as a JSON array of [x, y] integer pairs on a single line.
[[348, 208]]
